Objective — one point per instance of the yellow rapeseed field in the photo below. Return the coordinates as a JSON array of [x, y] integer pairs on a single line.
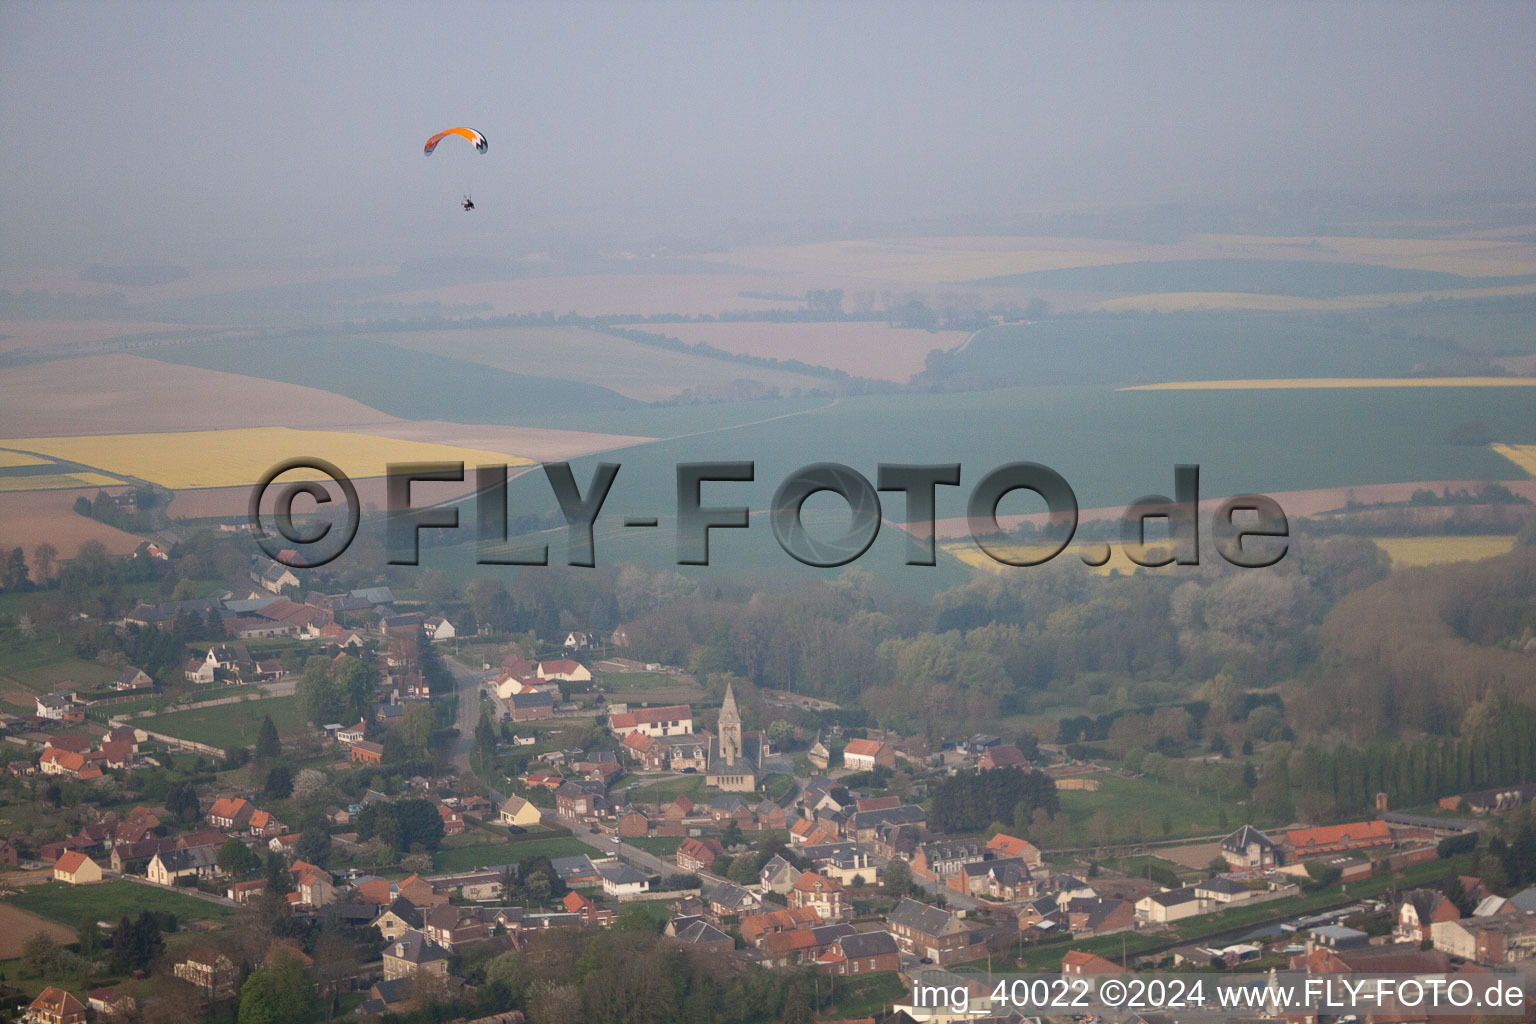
[[973, 556], [1342, 382], [56, 481], [235, 458], [1173, 302], [10, 459], [1522, 455], [1410, 551]]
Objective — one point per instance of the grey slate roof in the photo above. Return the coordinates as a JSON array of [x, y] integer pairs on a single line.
[[867, 944], [919, 917]]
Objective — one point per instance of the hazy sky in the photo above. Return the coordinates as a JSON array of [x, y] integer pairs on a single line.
[[184, 132]]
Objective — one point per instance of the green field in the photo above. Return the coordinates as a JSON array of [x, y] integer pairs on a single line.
[[43, 666], [467, 858], [228, 725], [1311, 278], [668, 790], [660, 846], [111, 900], [643, 372], [1156, 802], [1111, 446]]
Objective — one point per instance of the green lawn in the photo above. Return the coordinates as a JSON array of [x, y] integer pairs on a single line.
[[660, 846], [1154, 803], [112, 900], [42, 666], [868, 995], [467, 858], [668, 790], [229, 725]]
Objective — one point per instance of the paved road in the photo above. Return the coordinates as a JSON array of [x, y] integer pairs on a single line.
[[469, 681]]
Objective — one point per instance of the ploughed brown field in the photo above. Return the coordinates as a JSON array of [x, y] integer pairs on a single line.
[[28, 518], [132, 395], [17, 926], [119, 394]]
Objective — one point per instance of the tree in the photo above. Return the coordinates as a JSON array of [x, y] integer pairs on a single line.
[[279, 993], [14, 576], [898, 878], [235, 858], [314, 845], [181, 801], [45, 558], [279, 783], [88, 936], [307, 783], [415, 727], [797, 1008], [267, 744], [40, 955], [122, 944]]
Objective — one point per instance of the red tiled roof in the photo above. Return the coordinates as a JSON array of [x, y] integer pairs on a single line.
[[70, 862], [1355, 831], [57, 1002]]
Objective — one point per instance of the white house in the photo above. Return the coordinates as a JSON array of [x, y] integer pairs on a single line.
[[622, 880], [1168, 906], [566, 670], [439, 628], [54, 705]]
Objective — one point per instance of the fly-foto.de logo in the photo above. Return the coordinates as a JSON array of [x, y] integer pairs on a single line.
[[1249, 531]]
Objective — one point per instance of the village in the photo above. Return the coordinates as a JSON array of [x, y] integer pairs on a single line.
[[786, 851]]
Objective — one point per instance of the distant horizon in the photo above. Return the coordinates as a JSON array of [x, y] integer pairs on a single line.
[[160, 140]]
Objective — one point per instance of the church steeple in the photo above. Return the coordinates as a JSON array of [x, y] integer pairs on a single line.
[[730, 728]]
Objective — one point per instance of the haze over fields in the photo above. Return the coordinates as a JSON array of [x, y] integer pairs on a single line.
[[852, 233], [847, 443]]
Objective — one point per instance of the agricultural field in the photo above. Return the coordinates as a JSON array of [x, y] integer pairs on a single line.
[[1153, 803], [1313, 383], [407, 384], [861, 349], [1176, 302], [134, 394], [8, 459], [18, 925], [29, 518], [1522, 455], [56, 481], [40, 669], [228, 725], [32, 334], [1407, 552], [1305, 278], [112, 900], [467, 858], [1111, 446], [230, 458], [967, 552], [637, 294], [643, 372]]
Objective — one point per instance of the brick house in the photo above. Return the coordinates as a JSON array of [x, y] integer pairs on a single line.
[[823, 893]]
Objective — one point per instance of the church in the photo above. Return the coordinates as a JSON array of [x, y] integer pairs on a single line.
[[735, 761]]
